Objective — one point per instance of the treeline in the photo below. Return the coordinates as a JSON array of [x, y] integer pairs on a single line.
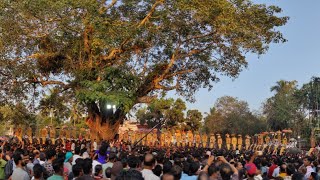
[[289, 107]]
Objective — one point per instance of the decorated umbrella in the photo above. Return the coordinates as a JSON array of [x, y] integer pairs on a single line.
[[287, 131]]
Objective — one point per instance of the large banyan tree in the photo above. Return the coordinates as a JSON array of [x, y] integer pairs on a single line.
[[125, 52]]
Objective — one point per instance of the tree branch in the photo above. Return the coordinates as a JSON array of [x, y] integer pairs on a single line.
[[104, 8], [153, 8], [167, 88], [115, 51], [112, 55], [198, 36], [195, 51], [146, 99], [178, 73], [46, 82]]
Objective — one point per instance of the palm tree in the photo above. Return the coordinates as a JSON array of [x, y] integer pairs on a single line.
[[283, 86]]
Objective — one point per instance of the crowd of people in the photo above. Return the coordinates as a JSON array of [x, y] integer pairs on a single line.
[[79, 160]]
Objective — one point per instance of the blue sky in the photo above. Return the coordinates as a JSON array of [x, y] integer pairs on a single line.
[[297, 59]]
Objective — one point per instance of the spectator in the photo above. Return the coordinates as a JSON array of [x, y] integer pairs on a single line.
[[19, 173], [98, 172], [167, 176], [87, 169], [37, 172], [77, 171], [148, 165], [111, 160], [57, 165], [68, 162], [76, 155], [108, 173], [157, 170], [50, 154]]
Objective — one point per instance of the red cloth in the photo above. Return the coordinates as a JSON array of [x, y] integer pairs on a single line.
[[68, 146], [251, 168], [271, 169]]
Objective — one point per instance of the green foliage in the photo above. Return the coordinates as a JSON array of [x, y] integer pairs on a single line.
[[283, 109], [309, 96], [117, 87], [55, 105], [168, 110], [127, 52], [230, 115], [17, 115], [193, 120]]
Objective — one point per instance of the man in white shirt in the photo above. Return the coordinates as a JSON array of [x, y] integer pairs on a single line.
[[148, 165], [109, 164], [307, 163], [76, 155]]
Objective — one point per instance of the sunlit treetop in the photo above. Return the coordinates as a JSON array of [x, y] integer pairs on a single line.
[[128, 51]]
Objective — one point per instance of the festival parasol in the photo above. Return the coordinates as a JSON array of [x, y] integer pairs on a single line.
[[287, 131]]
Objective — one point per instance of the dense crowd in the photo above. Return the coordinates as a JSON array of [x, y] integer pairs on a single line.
[[80, 160]]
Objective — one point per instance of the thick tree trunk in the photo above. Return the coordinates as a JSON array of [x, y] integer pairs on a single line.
[[102, 131]]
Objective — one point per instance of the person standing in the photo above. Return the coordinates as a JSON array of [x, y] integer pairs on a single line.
[[68, 162], [149, 163], [2, 166], [307, 163], [50, 154], [19, 173], [57, 165], [76, 155], [37, 172], [95, 145]]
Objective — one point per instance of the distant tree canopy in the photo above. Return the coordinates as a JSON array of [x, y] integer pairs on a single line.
[[293, 107], [126, 52], [281, 108], [171, 114], [230, 115]]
